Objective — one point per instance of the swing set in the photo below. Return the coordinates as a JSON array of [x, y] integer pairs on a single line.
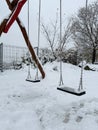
[[15, 6]]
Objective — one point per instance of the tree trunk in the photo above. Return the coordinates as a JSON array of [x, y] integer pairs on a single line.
[[93, 55]]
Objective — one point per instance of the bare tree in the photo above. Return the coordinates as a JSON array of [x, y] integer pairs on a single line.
[[66, 35], [50, 32], [85, 29]]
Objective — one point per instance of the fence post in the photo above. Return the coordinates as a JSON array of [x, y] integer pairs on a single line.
[[1, 57]]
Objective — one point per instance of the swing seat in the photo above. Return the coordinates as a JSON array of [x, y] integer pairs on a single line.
[[34, 81], [72, 91]]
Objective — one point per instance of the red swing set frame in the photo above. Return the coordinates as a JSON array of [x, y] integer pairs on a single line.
[[15, 6]]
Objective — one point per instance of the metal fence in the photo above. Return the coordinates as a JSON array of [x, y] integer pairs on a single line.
[[1, 56], [9, 55]]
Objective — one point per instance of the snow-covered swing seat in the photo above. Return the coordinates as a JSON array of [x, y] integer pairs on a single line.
[[37, 79], [72, 91], [79, 91]]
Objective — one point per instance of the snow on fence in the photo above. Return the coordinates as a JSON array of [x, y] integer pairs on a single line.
[[9, 55]]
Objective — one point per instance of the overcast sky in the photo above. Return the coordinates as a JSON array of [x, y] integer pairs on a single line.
[[48, 12]]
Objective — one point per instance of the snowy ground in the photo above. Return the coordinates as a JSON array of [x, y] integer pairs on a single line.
[[40, 106]]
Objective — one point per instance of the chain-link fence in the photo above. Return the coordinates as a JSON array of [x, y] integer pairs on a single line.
[[11, 55], [1, 57]]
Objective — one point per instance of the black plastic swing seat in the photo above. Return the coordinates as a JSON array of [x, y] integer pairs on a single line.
[[34, 81], [72, 91]]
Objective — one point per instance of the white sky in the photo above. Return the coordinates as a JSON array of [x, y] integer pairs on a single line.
[[48, 12]]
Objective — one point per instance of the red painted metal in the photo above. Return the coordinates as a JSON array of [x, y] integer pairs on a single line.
[[14, 14]]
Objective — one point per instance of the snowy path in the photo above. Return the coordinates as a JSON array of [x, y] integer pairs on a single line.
[[40, 106]]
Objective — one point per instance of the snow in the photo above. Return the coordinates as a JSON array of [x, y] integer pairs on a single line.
[[40, 106]]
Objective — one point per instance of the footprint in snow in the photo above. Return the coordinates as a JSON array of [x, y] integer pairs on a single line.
[[67, 118], [79, 119]]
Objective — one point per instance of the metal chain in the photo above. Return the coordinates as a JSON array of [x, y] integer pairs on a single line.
[[39, 15], [61, 77], [29, 75]]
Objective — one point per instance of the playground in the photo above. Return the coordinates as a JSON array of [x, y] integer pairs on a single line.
[[54, 96]]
